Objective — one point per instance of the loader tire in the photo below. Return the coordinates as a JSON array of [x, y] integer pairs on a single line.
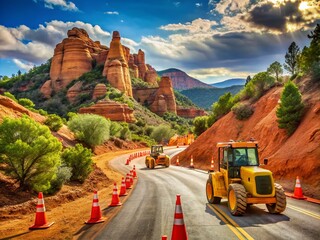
[[152, 163], [167, 162], [237, 199], [281, 203], [210, 193]]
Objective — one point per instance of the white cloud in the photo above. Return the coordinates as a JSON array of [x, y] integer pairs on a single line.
[[177, 4], [231, 6], [207, 73], [112, 13], [198, 4], [67, 6], [25, 66], [196, 26]]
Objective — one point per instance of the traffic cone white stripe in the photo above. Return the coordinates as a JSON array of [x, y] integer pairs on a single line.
[[95, 204], [40, 201], [178, 209], [43, 209], [178, 222], [115, 191]]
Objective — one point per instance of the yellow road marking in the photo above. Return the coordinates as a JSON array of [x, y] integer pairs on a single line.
[[234, 227], [311, 214]]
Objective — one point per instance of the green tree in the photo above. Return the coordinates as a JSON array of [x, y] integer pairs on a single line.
[[223, 106], [275, 69], [248, 80], [162, 133], [200, 125], [90, 128], [290, 109], [79, 159], [54, 122], [262, 82], [291, 58], [30, 152]]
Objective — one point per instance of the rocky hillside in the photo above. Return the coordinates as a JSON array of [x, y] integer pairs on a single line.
[[181, 80], [297, 155]]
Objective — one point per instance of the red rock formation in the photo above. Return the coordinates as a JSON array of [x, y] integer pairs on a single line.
[[74, 91], [111, 110], [46, 89], [73, 57], [165, 99], [151, 76], [116, 68], [190, 112], [140, 62], [100, 90]]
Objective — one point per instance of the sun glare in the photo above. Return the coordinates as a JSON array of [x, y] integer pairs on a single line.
[[303, 6]]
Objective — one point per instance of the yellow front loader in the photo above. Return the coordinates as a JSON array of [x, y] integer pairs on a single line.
[[157, 157], [242, 181]]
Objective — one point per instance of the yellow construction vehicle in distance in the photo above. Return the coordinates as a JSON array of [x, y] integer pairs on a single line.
[[242, 181], [157, 157]]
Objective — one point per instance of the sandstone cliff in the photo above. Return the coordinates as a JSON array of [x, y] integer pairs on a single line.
[[181, 80], [73, 57], [297, 155], [111, 110]]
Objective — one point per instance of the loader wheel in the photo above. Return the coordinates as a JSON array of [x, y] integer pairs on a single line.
[[210, 193], [237, 199], [147, 163], [152, 164], [167, 162], [281, 203]]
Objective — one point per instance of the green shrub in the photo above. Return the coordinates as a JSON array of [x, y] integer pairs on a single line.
[[79, 159], [162, 133], [54, 122], [89, 128], [115, 129], [43, 112], [125, 133], [242, 111], [26, 103], [63, 175], [290, 108], [200, 125], [9, 95], [223, 106], [148, 130], [30, 153]]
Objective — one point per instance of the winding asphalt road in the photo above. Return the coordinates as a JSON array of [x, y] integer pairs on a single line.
[[149, 211]]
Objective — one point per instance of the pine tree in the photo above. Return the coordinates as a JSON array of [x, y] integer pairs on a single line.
[[276, 69], [290, 109], [291, 58]]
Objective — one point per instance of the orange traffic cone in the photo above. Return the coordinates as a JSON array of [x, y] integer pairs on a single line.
[[212, 165], [164, 237], [96, 216], [177, 162], [128, 161], [123, 189], [128, 185], [191, 162], [179, 231], [298, 190], [131, 177], [115, 201], [134, 172], [41, 220]]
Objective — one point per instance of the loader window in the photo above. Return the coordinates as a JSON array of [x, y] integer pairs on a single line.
[[227, 157], [245, 157]]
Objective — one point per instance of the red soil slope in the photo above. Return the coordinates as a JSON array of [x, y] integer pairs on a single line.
[[297, 155]]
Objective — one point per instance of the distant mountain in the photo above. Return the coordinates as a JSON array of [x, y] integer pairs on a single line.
[[230, 82], [181, 80], [205, 97]]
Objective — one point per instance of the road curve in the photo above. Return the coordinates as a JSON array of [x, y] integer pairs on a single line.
[[148, 213]]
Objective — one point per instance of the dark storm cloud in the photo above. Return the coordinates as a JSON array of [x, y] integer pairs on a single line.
[[269, 16]]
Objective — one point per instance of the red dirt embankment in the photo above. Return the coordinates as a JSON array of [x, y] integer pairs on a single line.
[[297, 155]]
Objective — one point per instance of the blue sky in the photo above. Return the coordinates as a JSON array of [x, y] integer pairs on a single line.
[[211, 40]]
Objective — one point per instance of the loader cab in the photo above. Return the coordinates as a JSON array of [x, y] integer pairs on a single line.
[[156, 150], [235, 155]]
